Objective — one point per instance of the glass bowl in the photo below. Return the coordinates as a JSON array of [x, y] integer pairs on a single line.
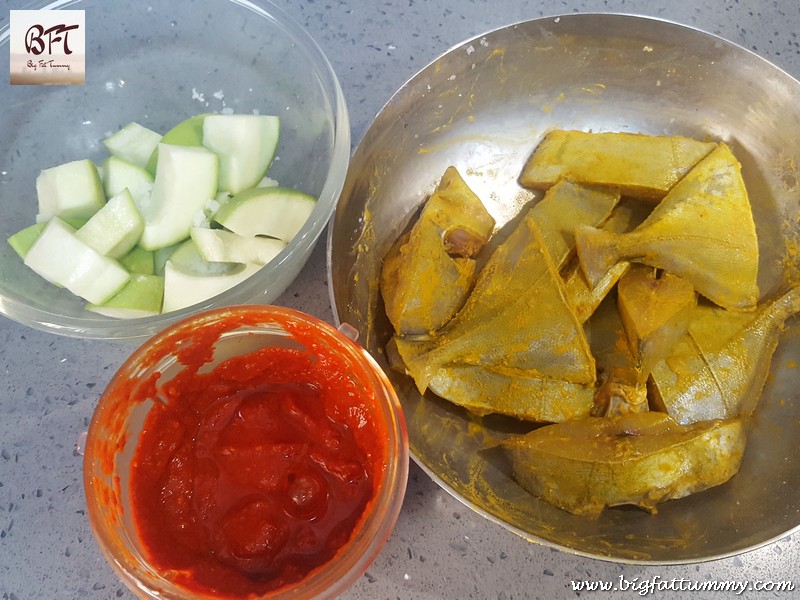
[[194, 348], [158, 63]]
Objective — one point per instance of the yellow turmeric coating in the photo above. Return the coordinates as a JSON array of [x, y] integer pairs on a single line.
[[643, 166], [647, 388], [564, 205], [460, 216], [655, 313], [585, 297], [484, 390], [413, 303], [718, 369], [428, 273], [515, 318], [620, 387], [642, 459], [703, 231]]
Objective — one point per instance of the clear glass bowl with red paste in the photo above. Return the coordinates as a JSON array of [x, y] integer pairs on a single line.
[[246, 452]]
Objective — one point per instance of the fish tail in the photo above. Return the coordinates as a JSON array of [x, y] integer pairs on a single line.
[[597, 252]]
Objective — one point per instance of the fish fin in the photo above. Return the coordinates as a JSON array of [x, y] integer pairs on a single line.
[[597, 252]]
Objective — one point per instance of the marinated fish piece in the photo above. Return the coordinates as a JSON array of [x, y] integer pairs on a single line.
[[702, 231], [585, 298], [655, 313], [641, 459], [413, 304], [719, 368], [423, 285], [428, 274], [515, 348], [484, 390], [620, 387], [460, 215], [684, 387], [516, 318], [643, 166], [711, 327], [565, 205]]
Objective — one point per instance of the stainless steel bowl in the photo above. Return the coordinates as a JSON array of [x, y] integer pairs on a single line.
[[483, 106]]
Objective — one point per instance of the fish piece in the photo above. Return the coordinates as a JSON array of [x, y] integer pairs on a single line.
[[702, 231], [718, 369], [655, 313], [413, 305], [459, 214], [620, 387], [484, 390], [429, 272], [585, 298], [423, 285], [711, 327], [516, 318], [643, 166], [515, 348], [565, 205], [683, 386], [641, 459]]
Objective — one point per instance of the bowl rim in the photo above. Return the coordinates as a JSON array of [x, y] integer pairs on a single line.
[[92, 326]]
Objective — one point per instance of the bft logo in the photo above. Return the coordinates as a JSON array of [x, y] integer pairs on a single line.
[[37, 35], [47, 47]]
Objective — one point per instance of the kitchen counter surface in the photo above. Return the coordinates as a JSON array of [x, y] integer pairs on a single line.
[[440, 548]]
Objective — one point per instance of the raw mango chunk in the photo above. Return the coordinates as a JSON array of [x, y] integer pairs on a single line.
[[61, 258], [22, 241], [140, 297], [133, 143], [71, 190], [245, 145], [115, 228], [139, 261]]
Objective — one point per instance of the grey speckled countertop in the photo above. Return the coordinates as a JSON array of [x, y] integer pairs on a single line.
[[440, 548]]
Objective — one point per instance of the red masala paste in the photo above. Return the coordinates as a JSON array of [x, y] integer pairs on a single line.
[[251, 475]]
